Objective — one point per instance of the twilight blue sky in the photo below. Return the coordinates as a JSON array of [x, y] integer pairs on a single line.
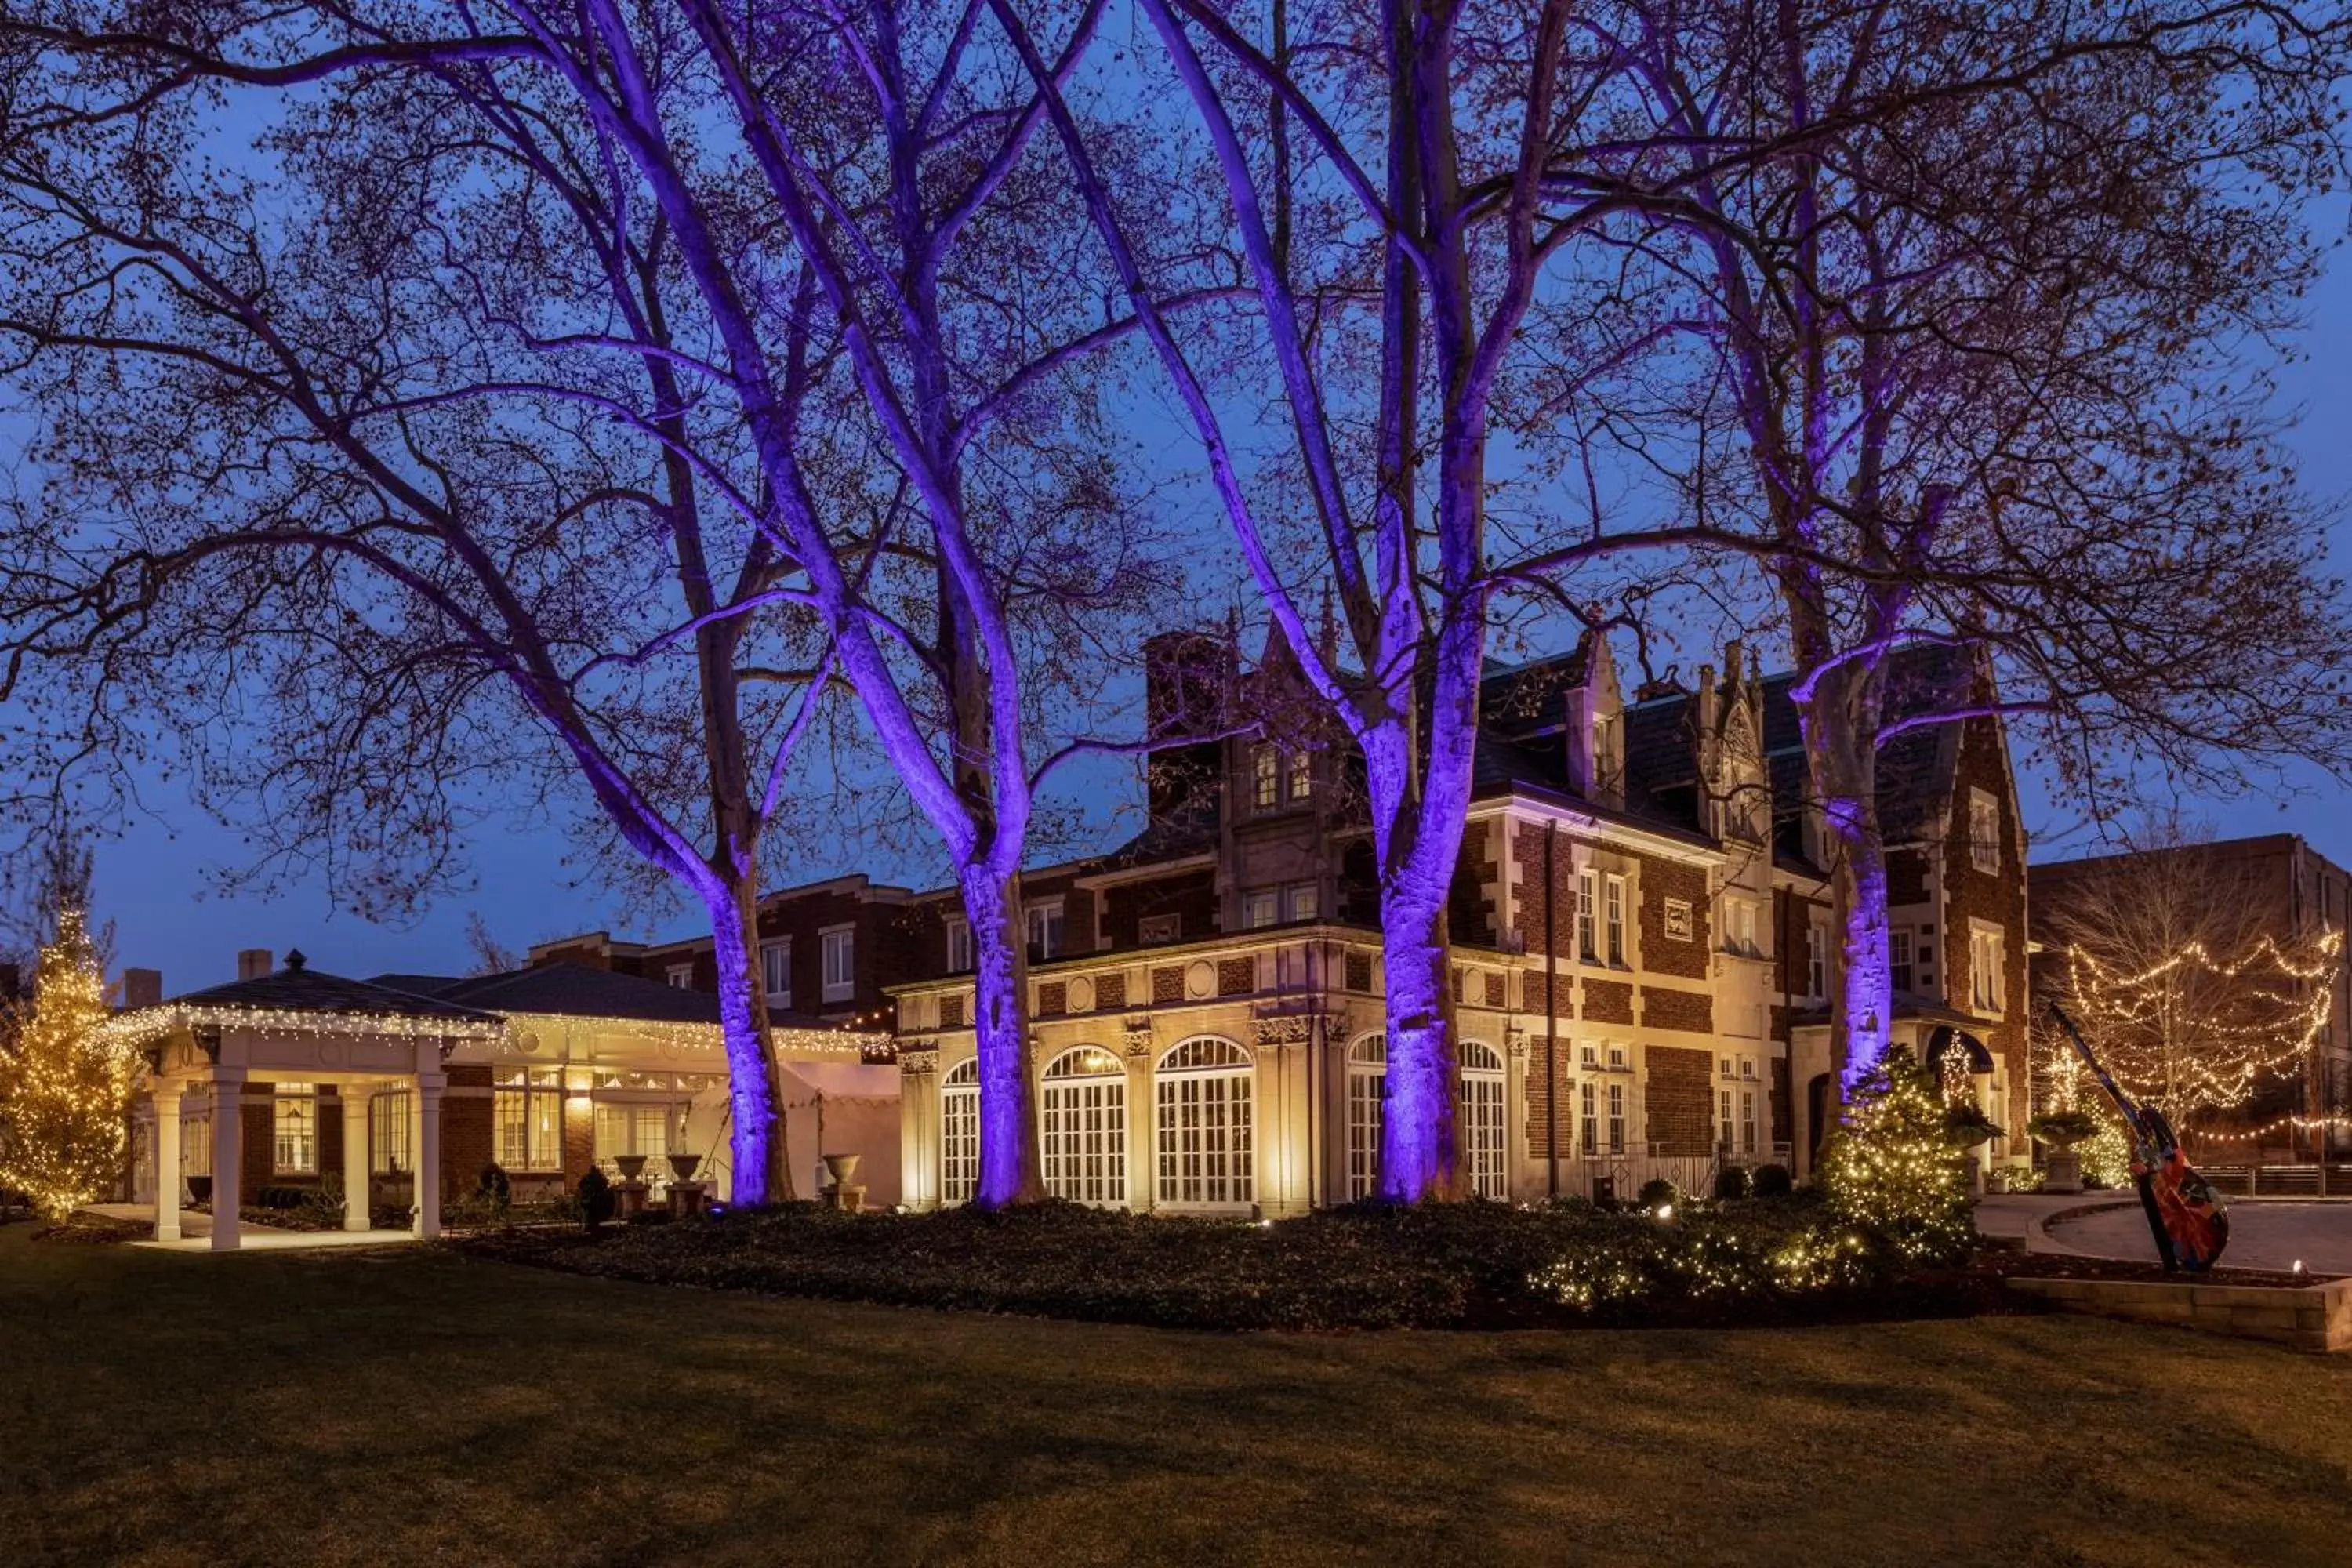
[[148, 880]]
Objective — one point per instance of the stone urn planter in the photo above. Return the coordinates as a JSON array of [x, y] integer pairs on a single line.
[[841, 1167], [2059, 1133], [844, 1193], [685, 1166], [631, 1166]]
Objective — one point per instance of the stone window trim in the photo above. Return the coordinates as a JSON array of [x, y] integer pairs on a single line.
[[1988, 963], [776, 971], [1984, 830]]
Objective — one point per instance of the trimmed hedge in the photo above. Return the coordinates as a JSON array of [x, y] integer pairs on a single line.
[[1364, 1267]]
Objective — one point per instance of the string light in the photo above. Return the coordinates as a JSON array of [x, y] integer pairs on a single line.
[[131, 1030], [65, 1088], [1890, 1170]]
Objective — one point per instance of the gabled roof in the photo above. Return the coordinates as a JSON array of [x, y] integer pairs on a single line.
[[568, 988], [297, 988]]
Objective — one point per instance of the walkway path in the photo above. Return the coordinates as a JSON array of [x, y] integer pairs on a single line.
[[196, 1232], [2264, 1233]]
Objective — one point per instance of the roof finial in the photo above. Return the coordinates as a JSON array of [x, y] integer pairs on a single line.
[[294, 960]]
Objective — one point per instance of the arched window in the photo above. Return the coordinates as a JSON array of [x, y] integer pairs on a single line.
[[1083, 1126], [1482, 1133], [1203, 1093], [959, 1134], [1368, 1076]]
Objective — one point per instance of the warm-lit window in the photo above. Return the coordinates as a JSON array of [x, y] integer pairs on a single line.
[[1740, 926], [1616, 912], [1484, 1138], [1082, 1127], [776, 971], [1265, 775], [1302, 775], [1984, 831], [632, 1129], [1206, 1157], [1723, 1107], [1368, 1069], [389, 1154], [1985, 955], [840, 963], [960, 956], [297, 1122], [195, 1145], [527, 1118], [1299, 901], [1616, 1119], [1748, 1121], [1260, 909], [959, 1134], [1045, 929], [1591, 1056], [1588, 894], [1588, 1131], [681, 977]]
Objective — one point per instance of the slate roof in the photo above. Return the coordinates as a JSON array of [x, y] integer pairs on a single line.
[[571, 988], [1913, 768], [299, 988]]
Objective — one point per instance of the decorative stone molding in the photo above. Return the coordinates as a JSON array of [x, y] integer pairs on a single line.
[[916, 1060], [1140, 1038], [1295, 1028]]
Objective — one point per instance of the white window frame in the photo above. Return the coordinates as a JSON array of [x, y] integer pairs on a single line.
[[1589, 1118], [1484, 1127], [1261, 908], [1984, 830], [776, 970], [963, 955], [1588, 915], [1724, 1135], [1617, 1098], [1740, 926], [1368, 1076], [960, 1133], [1615, 912], [1902, 959], [294, 1129], [680, 976], [1988, 965], [1748, 1121], [839, 947], [389, 1149], [1082, 1127], [527, 1119], [1300, 901], [1204, 1119], [1044, 927]]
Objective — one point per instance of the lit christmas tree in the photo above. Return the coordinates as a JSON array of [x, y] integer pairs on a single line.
[[64, 1087], [1891, 1169]]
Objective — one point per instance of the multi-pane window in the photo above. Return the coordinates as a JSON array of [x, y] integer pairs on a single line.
[[680, 976], [959, 1134], [1484, 1136], [196, 1145], [389, 1151], [1616, 1119], [1616, 912], [527, 1118], [1205, 1145], [1083, 1127], [840, 946], [1740, 926], [1368, 1069], [1590, 1055], [296, 1120], [1898, 954], [1046, 931], [1984, 969], [962, 958], [1300, 901], [1260, 909], [1302, 775], [1588, 893], [1265, 775], [1748, 1121], [632, 1129], [1588, 1130], [1817, 960], [1984, 831], [776, 971], [1723, 1108]]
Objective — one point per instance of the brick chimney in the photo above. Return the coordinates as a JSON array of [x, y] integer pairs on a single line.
[[255, 962], [142, 987]]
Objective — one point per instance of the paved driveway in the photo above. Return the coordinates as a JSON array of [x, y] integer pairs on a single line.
[[2264, 1234]]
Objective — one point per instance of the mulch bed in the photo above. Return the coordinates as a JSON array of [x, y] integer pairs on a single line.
[[2010, 1264], [1464, 1267]]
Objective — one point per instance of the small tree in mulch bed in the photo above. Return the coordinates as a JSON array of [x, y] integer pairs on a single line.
[[1890, 1172]]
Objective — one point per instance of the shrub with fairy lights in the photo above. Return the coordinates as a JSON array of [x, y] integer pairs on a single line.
[[1890, 1170], [64, 1084]]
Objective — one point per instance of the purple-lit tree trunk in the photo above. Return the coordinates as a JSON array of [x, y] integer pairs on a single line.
[[1010, 1168]]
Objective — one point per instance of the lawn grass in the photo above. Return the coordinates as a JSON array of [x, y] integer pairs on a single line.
[[418, 1406]]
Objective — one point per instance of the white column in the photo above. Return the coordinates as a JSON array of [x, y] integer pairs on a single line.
[[355, 1098], [429, 1086], [165, 1098], [228, 1156]]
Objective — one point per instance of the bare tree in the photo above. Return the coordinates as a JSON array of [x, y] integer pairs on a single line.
[[1963, 361]]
